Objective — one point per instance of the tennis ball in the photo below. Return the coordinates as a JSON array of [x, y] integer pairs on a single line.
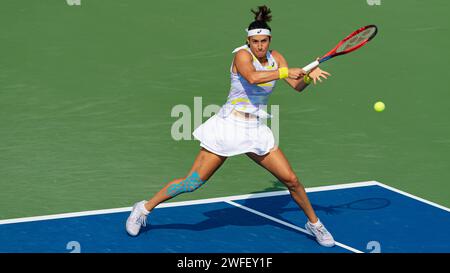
[[379, 106]]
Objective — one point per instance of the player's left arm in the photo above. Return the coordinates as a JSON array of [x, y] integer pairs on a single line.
[[299, 84]]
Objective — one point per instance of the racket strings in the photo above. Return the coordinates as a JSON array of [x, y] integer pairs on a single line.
[[356, 40]]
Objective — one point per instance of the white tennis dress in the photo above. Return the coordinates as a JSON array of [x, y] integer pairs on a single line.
[[239, 126]]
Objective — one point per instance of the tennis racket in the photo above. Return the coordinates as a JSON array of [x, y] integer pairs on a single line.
[[350, 43]]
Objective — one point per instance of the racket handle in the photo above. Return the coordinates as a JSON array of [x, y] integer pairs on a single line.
[[311, 66]]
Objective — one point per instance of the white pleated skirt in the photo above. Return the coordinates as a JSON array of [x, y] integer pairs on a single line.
[[232, 135]]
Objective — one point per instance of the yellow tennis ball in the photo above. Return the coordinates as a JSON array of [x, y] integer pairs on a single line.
[[379, 106]]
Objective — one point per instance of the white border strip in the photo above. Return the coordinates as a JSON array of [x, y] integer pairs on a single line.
[[412, 196], [62, 216], [219, 199], [184, 203], [287, 224]]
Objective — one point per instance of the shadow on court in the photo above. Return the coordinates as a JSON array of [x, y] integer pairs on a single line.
[[278, 206]]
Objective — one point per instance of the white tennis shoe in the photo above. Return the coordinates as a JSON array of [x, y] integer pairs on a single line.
[[137, 218], [323, 236]]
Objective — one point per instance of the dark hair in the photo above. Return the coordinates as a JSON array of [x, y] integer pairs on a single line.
[[262, 16]]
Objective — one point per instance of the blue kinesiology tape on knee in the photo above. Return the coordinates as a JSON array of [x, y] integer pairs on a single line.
[[190, 184]]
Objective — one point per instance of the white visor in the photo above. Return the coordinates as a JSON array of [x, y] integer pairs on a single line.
[[258, 31]]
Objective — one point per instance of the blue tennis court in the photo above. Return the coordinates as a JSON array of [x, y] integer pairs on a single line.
[[363, 217]]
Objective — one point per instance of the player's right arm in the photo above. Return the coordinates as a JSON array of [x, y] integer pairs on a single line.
[[243, 61], [299, 84]]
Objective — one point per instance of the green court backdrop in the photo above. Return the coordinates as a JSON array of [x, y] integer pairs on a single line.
[[86, 94]]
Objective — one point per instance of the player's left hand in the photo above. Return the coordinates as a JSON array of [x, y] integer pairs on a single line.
[[316, 73]]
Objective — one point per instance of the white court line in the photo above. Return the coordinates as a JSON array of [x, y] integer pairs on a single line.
[[214, 200], [412, 196], [287, 224], [183, 203]]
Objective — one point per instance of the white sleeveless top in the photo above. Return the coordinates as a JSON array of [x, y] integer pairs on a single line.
[[246, 97]]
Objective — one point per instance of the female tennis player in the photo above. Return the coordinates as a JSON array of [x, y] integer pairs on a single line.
[[238, 127]]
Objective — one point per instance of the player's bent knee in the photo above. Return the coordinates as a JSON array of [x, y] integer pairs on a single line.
[[190, 184], [292, 182]]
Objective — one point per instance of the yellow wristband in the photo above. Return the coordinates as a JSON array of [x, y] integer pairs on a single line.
[[307, 79], [283, 72]]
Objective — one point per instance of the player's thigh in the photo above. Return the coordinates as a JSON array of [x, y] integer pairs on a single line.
[[276, 163], [206, 163]]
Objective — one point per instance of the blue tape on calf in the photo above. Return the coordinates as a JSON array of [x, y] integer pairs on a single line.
[[190, 184]]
